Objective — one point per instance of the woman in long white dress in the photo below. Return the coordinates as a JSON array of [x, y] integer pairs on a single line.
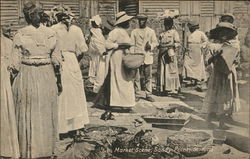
[[72, 107], [194, 65], [96, 50], [169, 77], [117, 89], [9, 140], [34, 88]]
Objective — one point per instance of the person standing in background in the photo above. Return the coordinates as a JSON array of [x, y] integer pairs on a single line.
[[73, 114], [144, 41], [99, 43], [169, 40], [194, 66], [117, 90], [96, 50], [222, 97], [9, 140], [34, 88]]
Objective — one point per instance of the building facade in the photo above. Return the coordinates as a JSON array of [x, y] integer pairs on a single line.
[[206, 12]]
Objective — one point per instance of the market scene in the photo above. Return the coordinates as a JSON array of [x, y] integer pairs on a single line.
[[125, 79]]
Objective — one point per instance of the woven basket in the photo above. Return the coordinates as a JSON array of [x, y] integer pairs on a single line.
[[190, 144], [133, 61]]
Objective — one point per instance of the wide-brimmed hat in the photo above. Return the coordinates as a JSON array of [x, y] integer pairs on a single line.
[[227, 15], [122, 17], [229, 27], [141, 16], [108, 24]]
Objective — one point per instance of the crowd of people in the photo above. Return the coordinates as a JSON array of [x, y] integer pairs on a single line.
[[47, 97]]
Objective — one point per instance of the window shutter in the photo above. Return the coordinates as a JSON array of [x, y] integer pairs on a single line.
[[107, 8], [73, 4], [131, 7], [151, 8], [9, 12]]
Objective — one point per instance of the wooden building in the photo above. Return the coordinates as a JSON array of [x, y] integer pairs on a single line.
[[206, 12]]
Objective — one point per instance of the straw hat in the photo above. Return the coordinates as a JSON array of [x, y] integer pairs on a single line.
[[231, 30], [108, 25], [227, 15], [122, 17]]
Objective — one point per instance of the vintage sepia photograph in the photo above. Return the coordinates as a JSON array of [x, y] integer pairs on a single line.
[[125, 79]]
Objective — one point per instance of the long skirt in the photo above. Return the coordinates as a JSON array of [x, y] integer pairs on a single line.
[[169, 76], [93, 67], [73, 113], [194, 66], [222, 96], [121, 86], [35, 98], [101, 73], [9, 139], [117, 89]]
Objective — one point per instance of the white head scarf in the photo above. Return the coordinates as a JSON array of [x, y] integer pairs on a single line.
[[97, 19]]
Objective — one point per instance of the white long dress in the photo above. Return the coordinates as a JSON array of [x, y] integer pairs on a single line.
[[98, 62], [9, 139], [194, 66], [73, 112], [122, 92]]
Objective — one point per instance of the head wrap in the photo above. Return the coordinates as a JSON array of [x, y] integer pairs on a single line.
[[97, 19]]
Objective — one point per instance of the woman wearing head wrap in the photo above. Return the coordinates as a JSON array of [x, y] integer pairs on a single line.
[[97, 49], [9, 141], [194, 66], [117, 89], [34, 88], [96, 46], [73, 114], [169, 77], [222, 96]]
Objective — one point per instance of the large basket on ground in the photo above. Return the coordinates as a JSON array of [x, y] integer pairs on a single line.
[[190, 144], [133, 61]]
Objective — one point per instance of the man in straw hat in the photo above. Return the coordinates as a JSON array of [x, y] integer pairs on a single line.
[[194, 67], [144, 41], [222, 97], [73, 114], [117, 90]]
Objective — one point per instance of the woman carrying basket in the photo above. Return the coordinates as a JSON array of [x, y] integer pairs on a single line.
[[118, 89]]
